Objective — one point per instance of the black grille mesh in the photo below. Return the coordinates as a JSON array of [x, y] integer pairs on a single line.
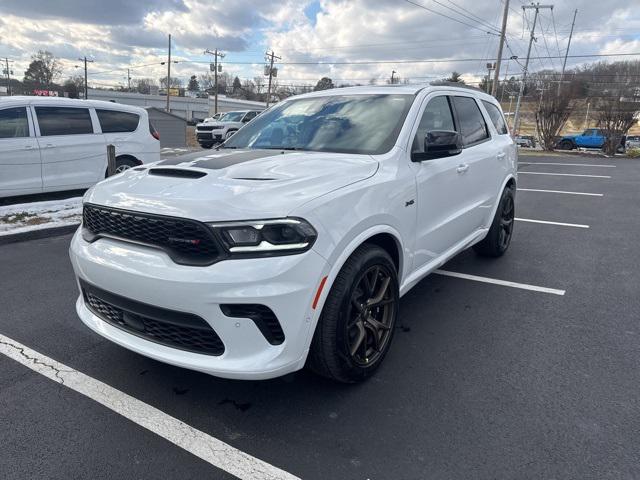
[[188, 242], [199, 339]]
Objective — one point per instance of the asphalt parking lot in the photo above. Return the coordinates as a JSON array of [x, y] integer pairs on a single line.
[[536, 379]]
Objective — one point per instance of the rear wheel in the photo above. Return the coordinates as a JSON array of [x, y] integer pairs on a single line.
[[125, 163], [566, 145], [358, 319], [499, 237]]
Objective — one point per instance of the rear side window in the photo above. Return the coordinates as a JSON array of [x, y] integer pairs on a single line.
[[496, 117], [63, 121], [471, 122], [436, 116], [114, 121], [14, 123]]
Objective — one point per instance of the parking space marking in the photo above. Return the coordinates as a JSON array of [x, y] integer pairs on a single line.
[[563, 174], [566, 164], [576, 225], [504, 283], [559, 191], [219, 454]]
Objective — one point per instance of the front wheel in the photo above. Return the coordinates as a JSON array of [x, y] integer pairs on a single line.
[[566, 145], [499, 237], [356, 326]]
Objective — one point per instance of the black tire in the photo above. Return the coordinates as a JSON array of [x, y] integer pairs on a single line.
[[566, 145], [499, 237], [350, 313], [124, 163], [206, 145]]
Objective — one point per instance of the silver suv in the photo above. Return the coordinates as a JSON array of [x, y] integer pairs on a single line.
[[210, 133]]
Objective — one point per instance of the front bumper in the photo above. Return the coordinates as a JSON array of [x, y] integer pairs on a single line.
[[287, 285], [210, 136]]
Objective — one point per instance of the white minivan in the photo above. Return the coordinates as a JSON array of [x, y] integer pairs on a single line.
[[49, 144]]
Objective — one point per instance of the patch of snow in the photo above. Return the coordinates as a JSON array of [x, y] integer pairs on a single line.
[[25, 217]]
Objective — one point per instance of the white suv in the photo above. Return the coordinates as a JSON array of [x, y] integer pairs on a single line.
[[213, 131], [49, 144], [293, 242]]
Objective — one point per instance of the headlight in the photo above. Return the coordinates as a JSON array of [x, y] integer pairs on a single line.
[[266, 237]]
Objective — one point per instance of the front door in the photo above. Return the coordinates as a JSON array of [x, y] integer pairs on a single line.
[[20, 166]]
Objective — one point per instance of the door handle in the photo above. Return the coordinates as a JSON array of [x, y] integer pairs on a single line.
[[501, 155], [49, 145], [462, 168]]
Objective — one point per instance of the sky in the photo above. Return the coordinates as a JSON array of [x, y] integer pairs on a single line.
[[315, 38]]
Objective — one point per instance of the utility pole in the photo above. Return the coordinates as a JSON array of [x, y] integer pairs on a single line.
[[128, 81], [503, 32], [586, 117], [564, 64], [216, 55], [169, 75], [393, 72], [490, 66], [8, 72], [516, 117], [271, 57], [86, 87]]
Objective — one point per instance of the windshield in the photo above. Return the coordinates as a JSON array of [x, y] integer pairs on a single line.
[[361, 124], [232, 116]]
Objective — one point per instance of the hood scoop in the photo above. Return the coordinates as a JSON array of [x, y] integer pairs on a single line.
[[176, 172]]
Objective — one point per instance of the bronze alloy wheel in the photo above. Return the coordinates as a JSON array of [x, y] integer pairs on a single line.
[[506, 222], [370, 315]]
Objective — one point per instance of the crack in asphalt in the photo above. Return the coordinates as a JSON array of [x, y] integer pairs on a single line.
[[57, 371]]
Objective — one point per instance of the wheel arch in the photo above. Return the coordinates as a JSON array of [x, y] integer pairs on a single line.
[[128, 157]]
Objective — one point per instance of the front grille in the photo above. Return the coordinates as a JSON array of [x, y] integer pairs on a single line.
[[180, 330], [206, 129], [187, 242]]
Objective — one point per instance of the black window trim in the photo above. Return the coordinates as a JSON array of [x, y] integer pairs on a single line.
[[36, 121], [455, 113]]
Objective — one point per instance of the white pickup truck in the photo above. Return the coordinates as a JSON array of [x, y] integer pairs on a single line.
[[210, 133]]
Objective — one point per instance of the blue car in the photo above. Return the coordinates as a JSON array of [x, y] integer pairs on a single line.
[[590, 138]]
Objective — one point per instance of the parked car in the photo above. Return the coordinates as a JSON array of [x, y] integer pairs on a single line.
[[49, 144], [632, 141], [528, 141], [293, 244], [590, 138], [210, 133]]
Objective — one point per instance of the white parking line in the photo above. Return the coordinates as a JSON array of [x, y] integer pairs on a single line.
[[559, 191], [577, 225], [563, 174], [206, 447], [567, 164], [504, 283]]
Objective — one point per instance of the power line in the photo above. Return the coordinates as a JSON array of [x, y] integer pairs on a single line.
[[443, 15]]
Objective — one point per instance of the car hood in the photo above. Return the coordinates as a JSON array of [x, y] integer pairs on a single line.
[[232, 184]]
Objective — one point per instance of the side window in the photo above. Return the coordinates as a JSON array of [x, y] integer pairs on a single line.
[[249, 116], [63, 121], [114, 121], [437, 116], [14, 123], [472, 125], [496, 117]]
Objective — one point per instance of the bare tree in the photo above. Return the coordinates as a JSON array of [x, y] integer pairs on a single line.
[[43, 70], [615, 117], [552, 115]]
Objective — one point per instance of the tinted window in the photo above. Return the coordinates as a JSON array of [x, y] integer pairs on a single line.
[[360, 124], [496, 117], [249, 116], [472, 125], [63, 121], [113, 121], [14, 123], [437, 116], [232, 117]]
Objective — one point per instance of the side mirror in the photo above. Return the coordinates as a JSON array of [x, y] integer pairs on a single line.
[[439, 144]]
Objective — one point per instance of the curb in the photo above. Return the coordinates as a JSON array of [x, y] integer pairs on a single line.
[[37, 234]]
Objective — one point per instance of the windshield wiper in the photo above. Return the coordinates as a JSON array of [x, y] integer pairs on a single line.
[[282, 148]]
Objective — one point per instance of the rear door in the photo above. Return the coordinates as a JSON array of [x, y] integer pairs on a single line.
[[73, 154], [20, 165]]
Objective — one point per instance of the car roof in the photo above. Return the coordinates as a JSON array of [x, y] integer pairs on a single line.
[[19, 100]]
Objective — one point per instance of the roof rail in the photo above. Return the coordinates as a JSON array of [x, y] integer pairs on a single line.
[[444, 83]]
